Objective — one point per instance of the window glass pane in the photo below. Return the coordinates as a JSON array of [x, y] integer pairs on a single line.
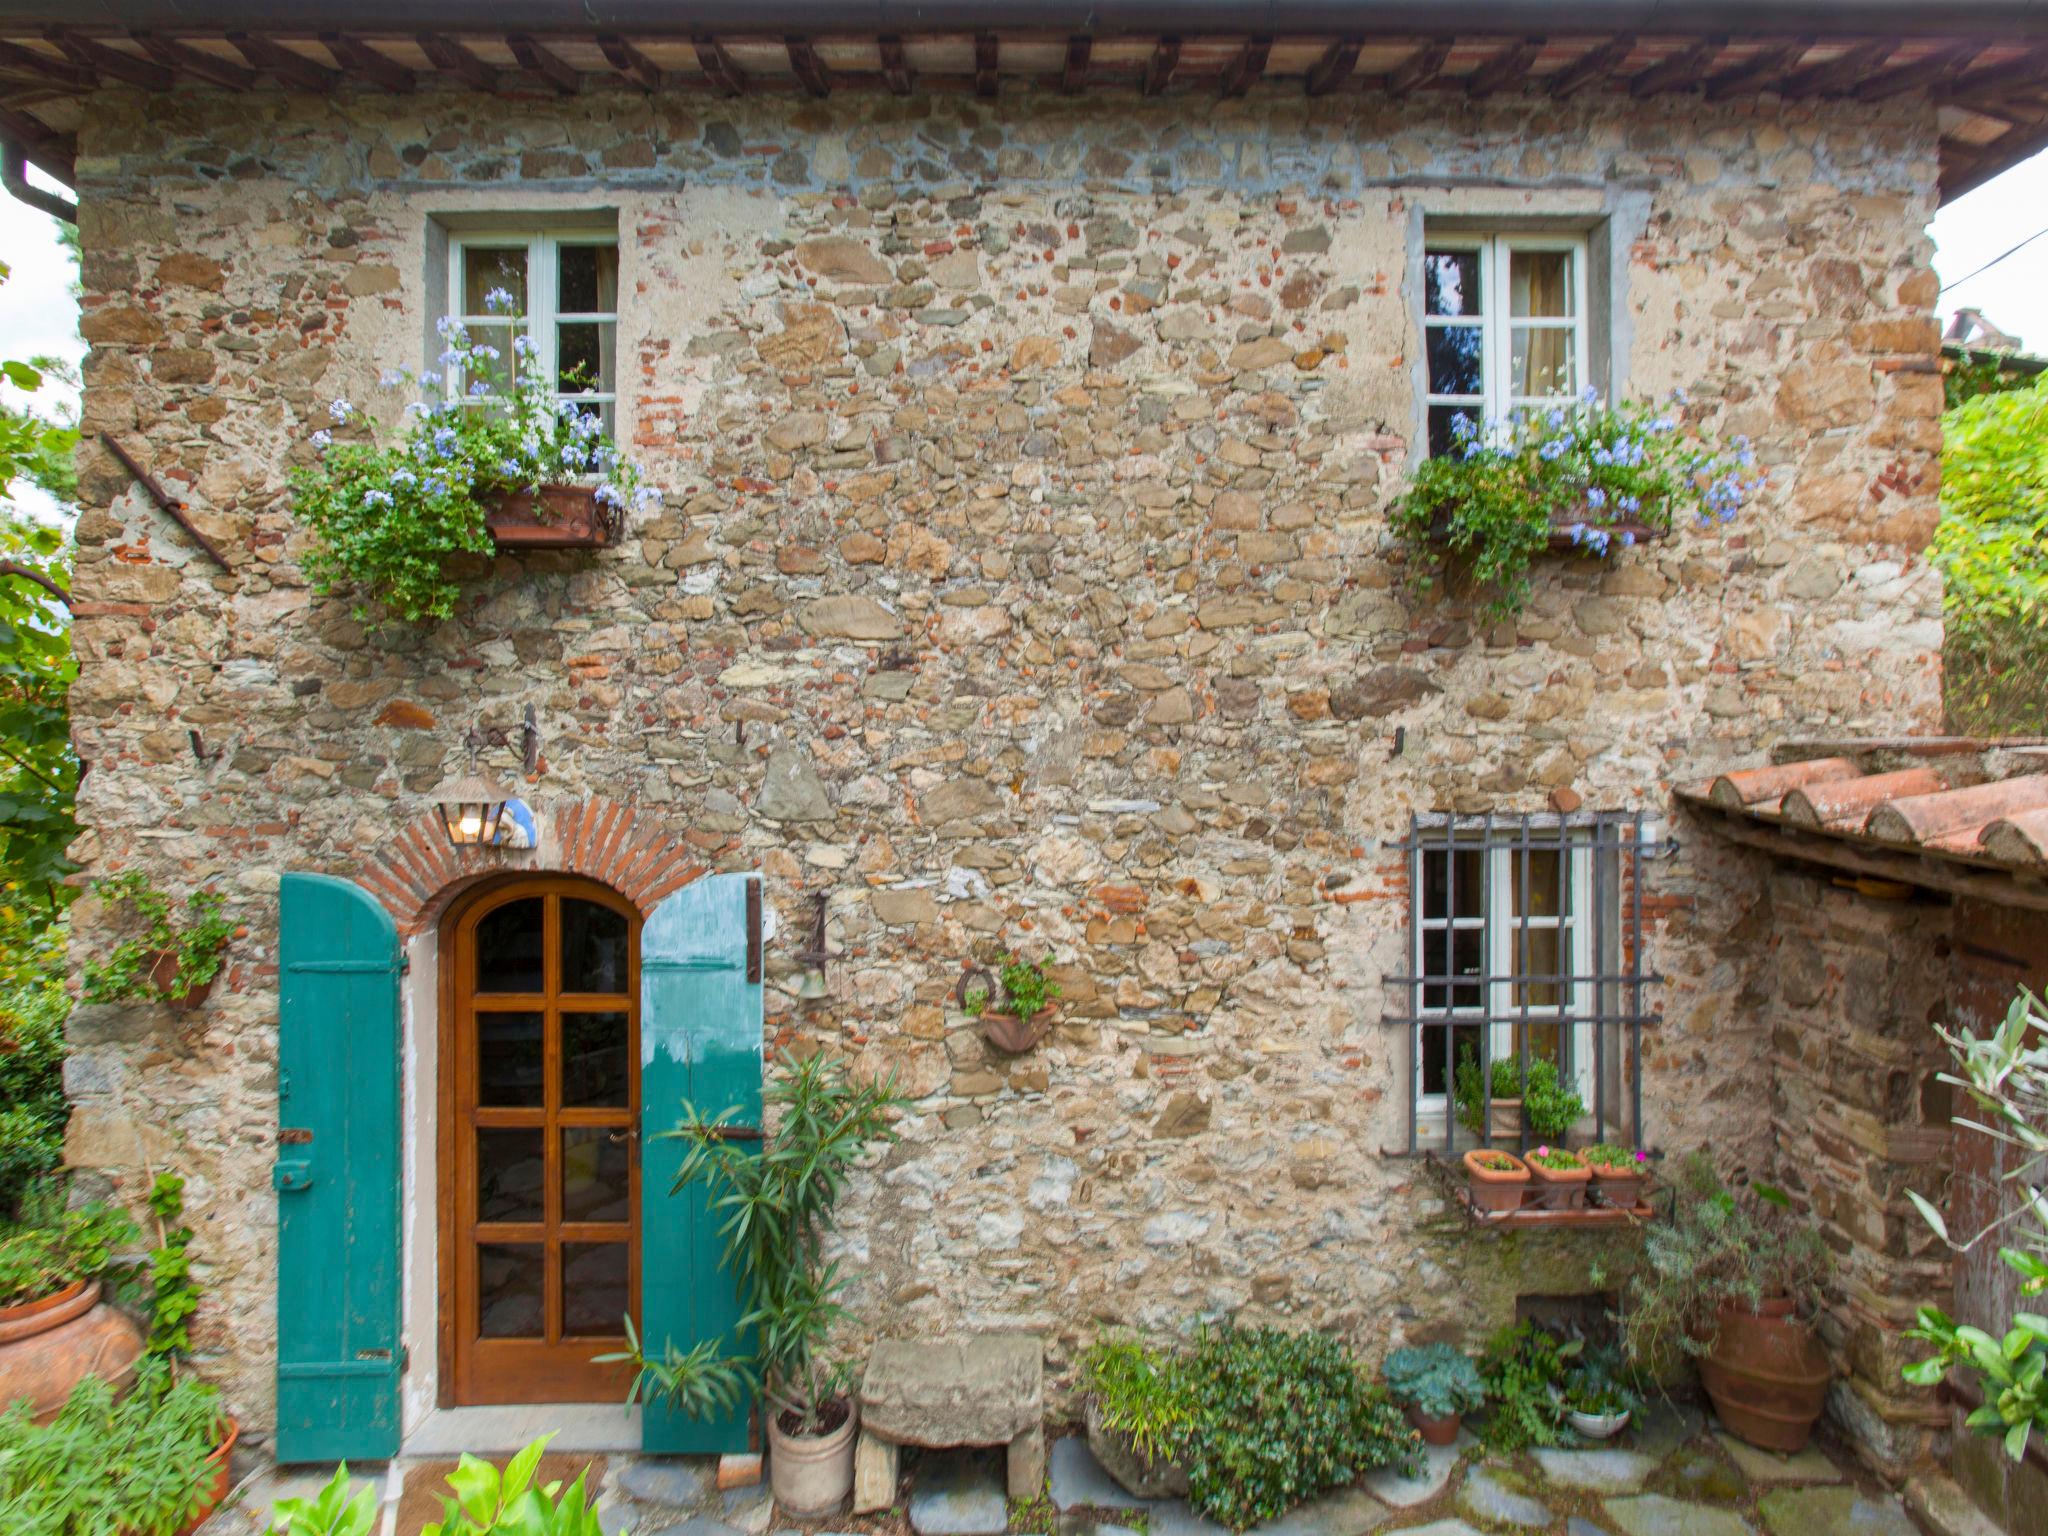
[[509, 1061], [1464, 1036], [593, 947], [488, 267], [594, 1174], [1545, 1041], [584, 352], [594, 1064], [510, 1278], [1443, 438], [1539, 283], [1451, 953], [1453, 878], [1544, 362], [1545, 877], [1457, 360], [1542, 949], [589, 280], [509, 1174], [495, 371], [593, 1289], [508, 947], [1450, 283]]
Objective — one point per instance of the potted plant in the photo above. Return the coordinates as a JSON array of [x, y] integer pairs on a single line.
[[1027, 995], [1137, 1407], [162, 961], [1437, 1385], [778, 1204], [56, 1328], [497, 461], [1523, 1369], [484, 1502], [1735, 1282], [1593, 478], [1559, 1178], [1495, 1180], [1541, 1101], [1619, 1174], [1599, 1395]]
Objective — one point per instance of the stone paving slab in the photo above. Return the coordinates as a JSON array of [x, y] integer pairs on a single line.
[[1652, 1514], [1442, 1528], [1344, 1512], [1601, 1470], [1078, 1480], [1175, 1518], [1579, 1525], [1660, 1427], [1698, 1472], [696, 1525], [1395, 1488], [1768, 1467], [1832, 1512], [1497, 1496], [676, 1482], [959, 1494]]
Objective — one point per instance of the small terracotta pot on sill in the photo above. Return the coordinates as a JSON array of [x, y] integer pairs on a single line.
[[1621, 1186], [1559, 1189], [555, 517], [163, 972], [1495, 1189]]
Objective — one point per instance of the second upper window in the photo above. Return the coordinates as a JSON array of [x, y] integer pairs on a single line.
[[564, 297], [1504, 320]]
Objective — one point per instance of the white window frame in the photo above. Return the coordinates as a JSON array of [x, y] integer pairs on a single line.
[[1578, 999], [539, 316], [1496, 326]]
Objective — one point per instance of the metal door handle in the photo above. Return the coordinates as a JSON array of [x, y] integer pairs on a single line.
[[623, 1135]]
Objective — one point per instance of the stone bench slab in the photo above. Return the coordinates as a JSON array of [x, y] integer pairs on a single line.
[[981, 1389]]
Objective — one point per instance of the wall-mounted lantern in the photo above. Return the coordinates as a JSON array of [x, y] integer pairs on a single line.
[[472, 809], [811, 987]]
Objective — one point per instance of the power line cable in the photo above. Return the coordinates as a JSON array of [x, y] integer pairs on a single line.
[[1994, 261]]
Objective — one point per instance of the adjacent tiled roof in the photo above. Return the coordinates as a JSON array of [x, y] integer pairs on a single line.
[[1935, 800]]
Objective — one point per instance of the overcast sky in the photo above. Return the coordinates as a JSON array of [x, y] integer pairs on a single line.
[[37, 313]]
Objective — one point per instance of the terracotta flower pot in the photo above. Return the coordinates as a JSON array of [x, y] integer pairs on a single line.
[[49, 1345], [1621, 1186], [1139, 1476], [1442, 1430], [220, 1475], [558, 517], [1496, 1189], [811, 1474], [1766, 1374], [163, 973], [1014, 1036], [1559, 1189]]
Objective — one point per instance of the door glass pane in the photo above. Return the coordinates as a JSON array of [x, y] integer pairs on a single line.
[[510, 1282], [594, 1062], [1450, 283], [510, 1174], [1540, 284], [595, 1174], [510, 1060], [489, 267], [1457, 360], [1544, 362], [593, 1289], [589, 281], [593, 947], [509, 947]]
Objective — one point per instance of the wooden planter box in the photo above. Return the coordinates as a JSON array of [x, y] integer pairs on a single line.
[[555, 517], [1561, 541]]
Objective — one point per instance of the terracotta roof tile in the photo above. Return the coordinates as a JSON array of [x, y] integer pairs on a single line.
[[1847, 801]]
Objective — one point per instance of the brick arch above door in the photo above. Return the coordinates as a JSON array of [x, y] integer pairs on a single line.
[[418, 871]]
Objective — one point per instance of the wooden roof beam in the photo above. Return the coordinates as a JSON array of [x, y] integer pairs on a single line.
[[1334, 68], [537, 59], [2028, 69], [1074, 73], [725, 76], [43, 145], [105, 61], [1834, 74], [1685, 70], [16, 60], [358, 57], [895, 66], [1506, 70], [630, 62], [1751, 74], [1248, 66], [1596, 63], [1418, 69], [211, 68], [1943, 66], [987, 61], [1160, 67], [451, 58], [267, 57], [809, 69]]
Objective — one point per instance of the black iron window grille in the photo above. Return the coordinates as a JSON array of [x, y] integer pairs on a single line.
[[1525, 945]]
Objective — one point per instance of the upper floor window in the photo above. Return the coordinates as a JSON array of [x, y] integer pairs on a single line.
[[564, 292], [1504, 318]]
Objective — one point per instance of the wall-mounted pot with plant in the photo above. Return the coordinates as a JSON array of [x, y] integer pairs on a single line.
[[160, 960], [1543, 1102], [1619, 1174], [1015, 1007], [1559, 1178]]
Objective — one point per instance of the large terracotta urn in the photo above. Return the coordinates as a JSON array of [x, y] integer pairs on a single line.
[[49, 1345], [1766, 1374]]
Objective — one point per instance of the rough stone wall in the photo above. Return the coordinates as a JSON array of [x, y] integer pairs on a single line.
[[1023, 580]]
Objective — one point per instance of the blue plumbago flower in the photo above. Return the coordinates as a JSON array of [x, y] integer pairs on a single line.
[[510, 469], [647, 496], [1631, 504], [391, 378], [1679, 395], [1474, 448], [498, 300], [446, 327], [445, 439], [1595, 496], [489, 354], [402, 476], [1589, 396], [340, 410], [1663, 425], [376, 498], [435, 486], [322, 438], [453, 356], [1462, 427], [1627, 539], [1556, 420], [479, 388], [608, 495], [1553, 450], [522, 345]]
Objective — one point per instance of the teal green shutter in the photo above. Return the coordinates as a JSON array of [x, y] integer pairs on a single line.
[[338, 1350], [700, 1042]]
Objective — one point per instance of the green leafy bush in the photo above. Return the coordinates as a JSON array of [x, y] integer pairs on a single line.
[[135, 1465], [173, 1295], [1520, 1368], [1141, 1394], [1027, 990], [32, 1105], [1436, 1380], [1601, 1381], [1549, 1108], [1992, 542], [388, 516], [198, 945], [1599, 473], [330, 1512], [49, 1247], [487, 1502]]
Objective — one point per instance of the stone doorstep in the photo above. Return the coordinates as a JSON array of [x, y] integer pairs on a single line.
[[1940, 1504]]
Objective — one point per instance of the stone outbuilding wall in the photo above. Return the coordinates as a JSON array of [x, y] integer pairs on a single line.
[[1022, 579]]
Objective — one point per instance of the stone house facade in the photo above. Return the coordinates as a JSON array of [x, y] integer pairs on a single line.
[[1020, 581]]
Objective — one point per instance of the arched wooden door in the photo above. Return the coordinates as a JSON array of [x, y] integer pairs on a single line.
[[540, 1157]]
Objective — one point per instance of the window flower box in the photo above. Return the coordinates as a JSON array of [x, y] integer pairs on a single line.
[[553, 517]]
